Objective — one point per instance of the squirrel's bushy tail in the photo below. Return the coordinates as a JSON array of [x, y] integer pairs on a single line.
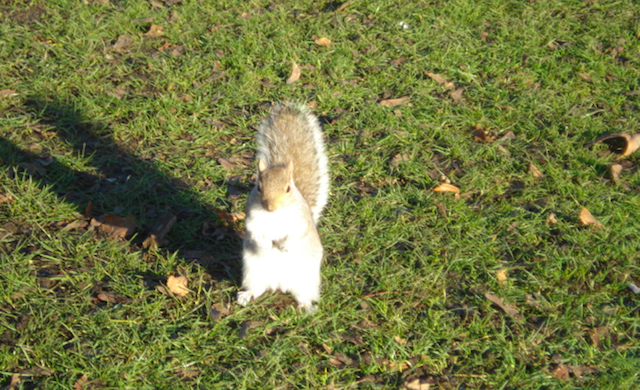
[[293, 133]]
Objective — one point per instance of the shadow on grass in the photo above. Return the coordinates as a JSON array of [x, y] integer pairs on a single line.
[[119, 182]]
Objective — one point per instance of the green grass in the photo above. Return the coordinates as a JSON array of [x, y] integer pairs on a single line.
[[139, 131]]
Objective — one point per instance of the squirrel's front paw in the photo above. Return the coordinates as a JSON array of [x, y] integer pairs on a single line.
[[308, 307], [244, 297]]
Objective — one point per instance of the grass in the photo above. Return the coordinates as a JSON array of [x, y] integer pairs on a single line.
[[139, 130]]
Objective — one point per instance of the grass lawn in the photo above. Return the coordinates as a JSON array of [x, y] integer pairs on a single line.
[[118, 114]]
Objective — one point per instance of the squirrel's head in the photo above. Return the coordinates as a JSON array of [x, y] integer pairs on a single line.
[[275, 184]]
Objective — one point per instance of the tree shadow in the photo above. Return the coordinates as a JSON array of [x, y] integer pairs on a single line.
[[119, 182]]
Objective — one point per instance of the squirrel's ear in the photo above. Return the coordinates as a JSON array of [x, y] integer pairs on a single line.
[[261, 165], [289, 169]]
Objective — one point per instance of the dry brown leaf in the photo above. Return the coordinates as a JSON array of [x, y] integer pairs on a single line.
[[585, 76], [456, 95], [399, 159], [484, 136], [326, 42], [158, 234], [621, 143], [399, 340], [348, 3], [77, 224], [123, 41], [395, 102], [7, 93], [587, 219], [444, 187], [561, 372], [614, 172], [226, 163], [244, 328], [501, 275], [79, 384], [551, 219], [115, 226], [509, 309], [295, 73], [6, 198], [416, 384], [440, 80], [185, 373], [16, 379], [178, 285], [218, 311], [155, 31], [230, 218], [535, 172]]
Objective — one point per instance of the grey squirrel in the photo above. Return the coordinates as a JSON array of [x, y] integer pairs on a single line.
[[282, 249]]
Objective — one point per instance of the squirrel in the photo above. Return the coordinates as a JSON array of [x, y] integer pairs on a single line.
[[282, 249]]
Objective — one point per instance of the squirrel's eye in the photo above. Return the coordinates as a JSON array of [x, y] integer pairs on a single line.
[[288, 189]]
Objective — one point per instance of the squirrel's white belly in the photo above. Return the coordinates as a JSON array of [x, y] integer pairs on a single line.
[[284, 256]]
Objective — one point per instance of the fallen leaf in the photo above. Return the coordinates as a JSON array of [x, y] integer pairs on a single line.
[[440, 80], [507, 135], [226, 164], [551, 219], [230, 218], [36, 371], [587, 219], [77, 224], [614, 172], [295, 73], [395, 102], [634, 288], [509, 309], [561, 372], [173, 17], [8, 93], [444, 187], [120, 92], [535, 172], [579, 371], [354, 338], [123, 42], [79, 384], [483, 136], [595, 335], [244, 328], [6, 198], [326, 42], [155, 31], [16, 379], [115, 226], [184, 373], [532, 302], [218, 311], [399, 159], [157, 235], [620, 143], [585, 76], [416, 384], [457, 95], [347, 3], [245, 15], [400, 340], [501, 275], [508, 108], [178, 285], [107, 297]]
